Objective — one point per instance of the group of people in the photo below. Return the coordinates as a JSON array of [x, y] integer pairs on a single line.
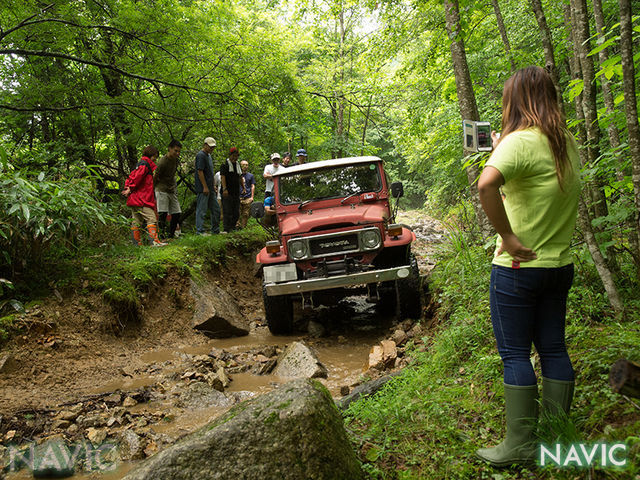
[[227, 192], [151, 191]]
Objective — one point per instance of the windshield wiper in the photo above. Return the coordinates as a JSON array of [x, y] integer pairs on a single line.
[[307, 202], [348, 197]]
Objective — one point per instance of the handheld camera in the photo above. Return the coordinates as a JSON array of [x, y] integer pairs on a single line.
[[476, 136]]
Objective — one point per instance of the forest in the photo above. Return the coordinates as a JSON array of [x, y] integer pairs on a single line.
[[85, 85]]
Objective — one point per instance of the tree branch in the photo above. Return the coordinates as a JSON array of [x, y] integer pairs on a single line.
[[153, 81]]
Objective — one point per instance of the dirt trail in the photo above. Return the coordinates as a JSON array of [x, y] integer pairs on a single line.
[[71, 376]]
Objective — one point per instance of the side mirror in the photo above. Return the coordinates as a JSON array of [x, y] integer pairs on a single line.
[[397, 189], [257, 210]]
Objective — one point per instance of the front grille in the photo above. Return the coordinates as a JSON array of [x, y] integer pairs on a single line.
[[334, 245]]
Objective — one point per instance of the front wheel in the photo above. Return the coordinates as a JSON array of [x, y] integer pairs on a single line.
[[409, 293], [278, 311]]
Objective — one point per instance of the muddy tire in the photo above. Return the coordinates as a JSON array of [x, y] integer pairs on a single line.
[[409, 292], [278, 311]]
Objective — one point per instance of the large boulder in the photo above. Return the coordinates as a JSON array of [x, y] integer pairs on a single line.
[[216, 313], [291, 433], [299, 361]]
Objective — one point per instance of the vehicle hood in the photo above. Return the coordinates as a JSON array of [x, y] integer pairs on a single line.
[[309, 219]]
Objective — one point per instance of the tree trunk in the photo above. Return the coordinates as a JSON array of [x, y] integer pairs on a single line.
[[340, 93], [114, 87], [503, 34], [466, 100], [584, 213], [612, 129], [630, 100], [547, 45], [601, 265], [603, 56], [589, 103], [366, 124]]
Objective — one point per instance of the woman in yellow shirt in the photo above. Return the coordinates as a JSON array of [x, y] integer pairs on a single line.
[[537, 165]]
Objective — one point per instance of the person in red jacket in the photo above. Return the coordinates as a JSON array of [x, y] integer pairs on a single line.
[[140, 196]]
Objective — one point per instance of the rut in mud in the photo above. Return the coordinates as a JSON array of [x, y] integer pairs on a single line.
[[157, 379]]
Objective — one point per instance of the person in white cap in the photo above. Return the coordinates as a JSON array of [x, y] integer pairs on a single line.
[[269, 171], [206, 199]]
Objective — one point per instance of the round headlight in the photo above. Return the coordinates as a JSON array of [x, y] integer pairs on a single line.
[[297, 249], [371, 239]]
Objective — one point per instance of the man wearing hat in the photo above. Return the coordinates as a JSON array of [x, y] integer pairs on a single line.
[[302, 157], [270, 171], [206, 199], [231, 180]]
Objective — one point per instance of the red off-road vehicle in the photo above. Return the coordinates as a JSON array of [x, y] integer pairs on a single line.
[[336, 230]]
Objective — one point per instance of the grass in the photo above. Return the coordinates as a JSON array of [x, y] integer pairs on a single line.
[[428, 422]]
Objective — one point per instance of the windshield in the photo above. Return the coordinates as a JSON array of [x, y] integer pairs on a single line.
[[337, 182]]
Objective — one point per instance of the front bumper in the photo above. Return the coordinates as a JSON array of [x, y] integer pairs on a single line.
[[314, 284]]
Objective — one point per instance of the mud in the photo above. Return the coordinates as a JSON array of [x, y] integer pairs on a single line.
[[74, 378]]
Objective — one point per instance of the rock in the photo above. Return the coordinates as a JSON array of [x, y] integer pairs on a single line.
[[152, 448], [264, 368], [130, 445], [400, 337], [376, 357], [52, 458], [199, 395], [68, 415], [315, 329], [96, 436], [218, 379], [291, 433], [269, 351], [299, 361], [417, 331], [368, 388], [114, 398], [216, 313], [60, 424], [7, 363], [129, 402], [4, 457], [389, 352]]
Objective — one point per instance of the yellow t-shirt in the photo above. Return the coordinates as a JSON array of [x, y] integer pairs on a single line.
[[542, 215]]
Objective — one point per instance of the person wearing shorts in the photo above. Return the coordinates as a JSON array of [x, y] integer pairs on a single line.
[[166, 190]]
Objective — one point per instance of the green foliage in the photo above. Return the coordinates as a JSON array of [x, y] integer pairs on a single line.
[[428, 422], [41, 211]]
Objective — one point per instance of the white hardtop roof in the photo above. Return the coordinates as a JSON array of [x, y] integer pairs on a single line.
[[336, 162]]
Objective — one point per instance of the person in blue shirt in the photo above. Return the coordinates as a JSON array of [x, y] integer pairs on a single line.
[[205, 190], [270, 218]]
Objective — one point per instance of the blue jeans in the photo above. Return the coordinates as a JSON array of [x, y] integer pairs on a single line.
[[204, 204], [528, 305]]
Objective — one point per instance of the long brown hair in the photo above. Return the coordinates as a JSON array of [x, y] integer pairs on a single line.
[[529, 99]]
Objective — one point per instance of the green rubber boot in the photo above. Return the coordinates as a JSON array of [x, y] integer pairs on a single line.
[[557, 396], [519, 444]]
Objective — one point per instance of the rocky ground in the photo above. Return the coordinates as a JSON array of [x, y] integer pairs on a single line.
[[69, 377]]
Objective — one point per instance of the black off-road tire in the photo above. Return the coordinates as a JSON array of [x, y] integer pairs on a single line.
[[278, 311], [409, 292]]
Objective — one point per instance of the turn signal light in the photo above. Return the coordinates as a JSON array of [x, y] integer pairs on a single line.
[[273, 247], [394, 230]]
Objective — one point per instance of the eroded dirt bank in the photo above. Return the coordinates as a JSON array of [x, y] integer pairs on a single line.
[[76, 374]]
